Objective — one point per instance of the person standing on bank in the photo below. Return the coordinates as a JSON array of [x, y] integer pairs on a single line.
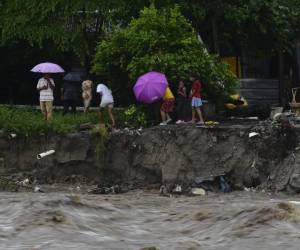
[[196, 101], [167, 107], [86, 87], [70, 96], [45, 86], [107, 100], [181, 102]]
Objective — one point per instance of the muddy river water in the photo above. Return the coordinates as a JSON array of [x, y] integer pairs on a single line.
[[237, 221]]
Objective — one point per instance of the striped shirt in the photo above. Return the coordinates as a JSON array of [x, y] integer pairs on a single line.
[[45, 94]]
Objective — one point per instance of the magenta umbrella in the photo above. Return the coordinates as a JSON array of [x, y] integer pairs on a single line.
[[150, 87], [47, 68]]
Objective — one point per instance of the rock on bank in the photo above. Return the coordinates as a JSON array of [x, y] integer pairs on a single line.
[[171, 154]]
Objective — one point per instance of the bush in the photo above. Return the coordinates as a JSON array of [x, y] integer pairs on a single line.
[[134, 116], [163, 41]]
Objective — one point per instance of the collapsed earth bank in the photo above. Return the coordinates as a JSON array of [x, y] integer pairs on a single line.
[[169, 155]]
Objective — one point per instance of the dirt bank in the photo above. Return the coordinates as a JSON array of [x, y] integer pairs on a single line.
[[171, 154]]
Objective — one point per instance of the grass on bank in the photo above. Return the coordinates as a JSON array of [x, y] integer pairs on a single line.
[[28, 121]]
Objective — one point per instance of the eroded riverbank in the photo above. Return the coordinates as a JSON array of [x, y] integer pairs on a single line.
[[161, 155]]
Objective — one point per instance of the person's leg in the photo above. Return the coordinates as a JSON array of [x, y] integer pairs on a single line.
[[111, 115], [168, 117], [199, 114], [65, 106], [163, 116], [43, 109], [49, 108], [180, 109], [193, 114], [193, 110], [100, 115], [73, 106], [86, 104], [170, 108]]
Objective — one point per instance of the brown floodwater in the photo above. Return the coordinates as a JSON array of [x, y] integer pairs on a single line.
[[240, 220]]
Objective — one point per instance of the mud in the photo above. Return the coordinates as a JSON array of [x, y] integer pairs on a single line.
[[143, 220]]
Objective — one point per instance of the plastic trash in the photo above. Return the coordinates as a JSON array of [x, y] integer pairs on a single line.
[[253, 134], [44, 154], [38, 190], [12, 136], [163, 190], [295, 202], [201, 179], [23, 183], [177, 189], [198, 191], [116, 189], [225, 187]]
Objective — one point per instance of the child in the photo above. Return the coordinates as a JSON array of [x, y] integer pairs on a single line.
[[107, 100], [196, 101], [181, 101], [167, 107]]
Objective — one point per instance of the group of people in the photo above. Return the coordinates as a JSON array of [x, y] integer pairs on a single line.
[[193, 99], [184, 101], [69, 97]]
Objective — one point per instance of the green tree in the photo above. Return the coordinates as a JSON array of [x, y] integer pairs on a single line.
[[255, 24], [70, 25], [165, 41]]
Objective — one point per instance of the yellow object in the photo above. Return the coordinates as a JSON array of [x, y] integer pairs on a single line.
[[230, 106], [235, 98], [168, 94], [211, 123], [234, 65]]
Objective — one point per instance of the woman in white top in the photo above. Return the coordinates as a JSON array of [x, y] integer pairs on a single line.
[[107, 100], [45, 86]]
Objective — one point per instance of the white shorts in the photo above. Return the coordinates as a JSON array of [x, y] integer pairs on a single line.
[[104, 104]]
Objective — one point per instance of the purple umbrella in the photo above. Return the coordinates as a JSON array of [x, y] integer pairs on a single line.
[[150, 87], [47, 68]]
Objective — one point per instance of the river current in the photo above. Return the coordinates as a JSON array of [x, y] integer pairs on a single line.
[[63, 220]]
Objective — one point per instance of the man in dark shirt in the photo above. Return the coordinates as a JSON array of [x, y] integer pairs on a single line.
[[70, 95]]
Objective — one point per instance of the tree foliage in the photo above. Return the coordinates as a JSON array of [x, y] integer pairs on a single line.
[[254, 24], [70, 25], [161, 40], [76, 25]]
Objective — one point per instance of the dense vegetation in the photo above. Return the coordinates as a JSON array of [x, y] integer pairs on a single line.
[[67, 32], [163, 41], [76, 24]]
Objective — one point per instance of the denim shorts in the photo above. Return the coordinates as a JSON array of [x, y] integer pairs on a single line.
[[196, 102]]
